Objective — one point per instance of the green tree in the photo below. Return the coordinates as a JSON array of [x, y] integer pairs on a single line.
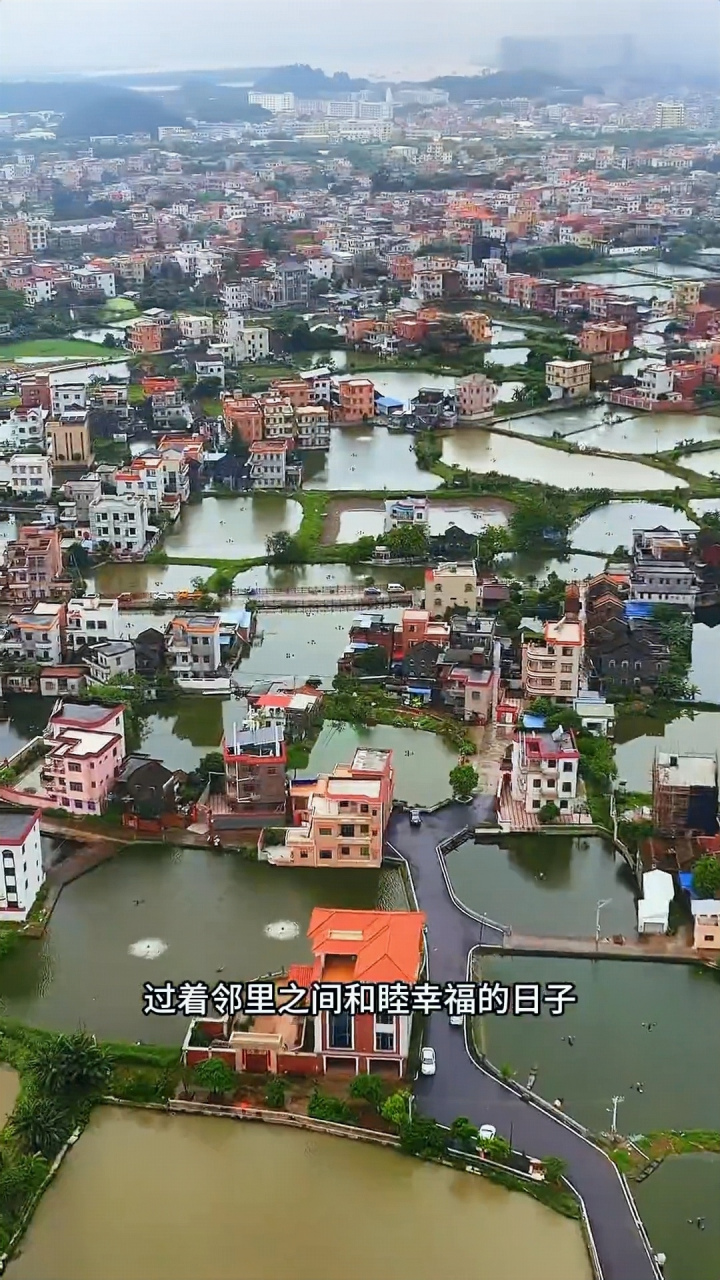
[[706, 876], [19, 1177], [554, 1169], [369, 1088], [216, 1076], [507, 1071], [463, 1131], [407, 541], [548, 813], [491, 544], [212, 769], [71, 1066], [496, 1148], [373, 661], [282, 548], [40, 1124], [322, 1106], [463, 780], [396, 1108], [423, 1136]]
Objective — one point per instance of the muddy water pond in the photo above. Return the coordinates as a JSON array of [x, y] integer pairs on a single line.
[[235, 528], [639, 738], [180, 1180], [545, 884], [209, 913], [612, 526], [480, 451]]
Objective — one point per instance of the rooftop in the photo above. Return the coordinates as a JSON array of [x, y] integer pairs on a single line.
[[686, 771], [15, 827], [386, 946]]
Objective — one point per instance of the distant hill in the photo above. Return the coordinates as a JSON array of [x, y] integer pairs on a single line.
[[503, 84], [306, 81], [113, 111], [89, 107], [213, 102]]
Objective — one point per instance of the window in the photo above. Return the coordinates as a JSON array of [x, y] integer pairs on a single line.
[[74, 768], [325, 855], [347, 829], [76, 786], [345, 849], [364, 850], [566, 786], [384, 1033], [566, 684], [364, 808], [325, 831], [537, 782], [340, 1031]]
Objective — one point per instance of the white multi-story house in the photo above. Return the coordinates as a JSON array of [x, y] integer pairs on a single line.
[[406, 511], [26, 427], [194, 328], [90, 279], [109, 660], [146, 478], [545, 770], [66, 397], [476, 395], [120, 519], [31, 473], [21, 864], [193, 644], [176, 473], [255, 343], [212, 367], [37, 291], [90, 619], [36, 634], [278, 418], [426, 285], [662, 571], [268, 464], [312, 427]]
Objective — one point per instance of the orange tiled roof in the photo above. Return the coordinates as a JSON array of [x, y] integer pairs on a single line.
[[389, 948]]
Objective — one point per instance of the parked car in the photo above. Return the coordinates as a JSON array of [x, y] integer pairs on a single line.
[[415, 818], [394, 588], [372, 592], [456, 1020], [427, 1062], [486, 1132]]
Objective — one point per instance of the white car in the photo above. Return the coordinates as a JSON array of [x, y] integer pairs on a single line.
[[415, 818], [456, 1020], [427, 1062], [486, 1132]]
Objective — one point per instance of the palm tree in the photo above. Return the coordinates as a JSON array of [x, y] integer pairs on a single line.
[[72, 1064], [40, 1125]]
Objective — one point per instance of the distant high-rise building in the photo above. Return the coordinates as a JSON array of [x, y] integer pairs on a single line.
[[669, 115]]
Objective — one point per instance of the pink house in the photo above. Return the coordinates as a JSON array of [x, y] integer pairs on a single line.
[[87, 749], [476, 396], [339, 819]]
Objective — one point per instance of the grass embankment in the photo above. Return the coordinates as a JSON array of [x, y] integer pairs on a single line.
[[60, 348], [661, 1144]]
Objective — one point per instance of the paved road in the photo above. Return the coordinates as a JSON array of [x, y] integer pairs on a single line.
[[461, 1088]]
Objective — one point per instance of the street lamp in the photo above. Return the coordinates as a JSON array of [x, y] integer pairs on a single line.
[[617, 1099], [602, 902]]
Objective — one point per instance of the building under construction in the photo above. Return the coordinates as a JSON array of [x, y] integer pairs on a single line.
[[685, 795]]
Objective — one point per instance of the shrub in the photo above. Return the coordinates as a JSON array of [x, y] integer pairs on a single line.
[[275, 1093], [369, 1088], [323, 1107]]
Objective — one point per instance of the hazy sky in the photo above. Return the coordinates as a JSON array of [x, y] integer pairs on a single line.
[[381, 37]]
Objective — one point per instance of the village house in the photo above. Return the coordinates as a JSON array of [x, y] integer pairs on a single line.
[[34, 563], [193, 644], [21, 865], [378, 948], [448, 586], [544, 770], [339, 819], [255, 757], [87, 749], [551, 668], [685, 794]]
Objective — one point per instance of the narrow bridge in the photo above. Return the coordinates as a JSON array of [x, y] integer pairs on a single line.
[[326, 598]]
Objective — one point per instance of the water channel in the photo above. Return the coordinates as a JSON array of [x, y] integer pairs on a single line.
[[201, 1199], [612, 526]]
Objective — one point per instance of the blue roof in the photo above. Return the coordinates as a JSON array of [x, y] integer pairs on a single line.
[[414, 688], [687, 881], [639, 609], [531, 721], [388, 402]]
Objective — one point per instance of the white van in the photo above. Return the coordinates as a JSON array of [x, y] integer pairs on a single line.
[[395, 587]]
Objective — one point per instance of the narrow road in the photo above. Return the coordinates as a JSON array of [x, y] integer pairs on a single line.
[[461, 1088]]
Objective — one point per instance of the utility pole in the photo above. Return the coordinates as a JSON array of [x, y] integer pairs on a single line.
[[602, 902], [617, 1099]]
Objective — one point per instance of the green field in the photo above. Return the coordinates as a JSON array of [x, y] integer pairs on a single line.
[[52, 348]]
